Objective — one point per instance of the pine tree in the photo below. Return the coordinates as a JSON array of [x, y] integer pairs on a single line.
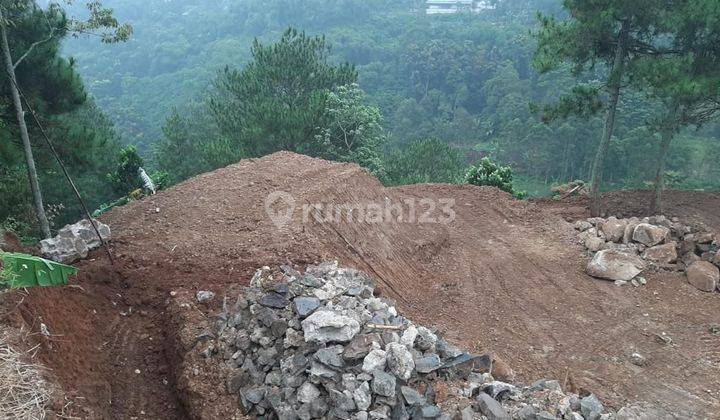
[[29, 43], [686, 83], [277, 100], [613, 33]]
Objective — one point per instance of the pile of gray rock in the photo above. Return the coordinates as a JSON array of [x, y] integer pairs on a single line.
[[623, 248], [321, 344], [73, 242]]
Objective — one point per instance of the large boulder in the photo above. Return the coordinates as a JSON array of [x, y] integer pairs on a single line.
[[630, 229], [65, 250], [663, 254], [650, 235], [594, 243], [73, 242], [613, 228], [84, 230], [325, 326], [615, 265], [703, 276]]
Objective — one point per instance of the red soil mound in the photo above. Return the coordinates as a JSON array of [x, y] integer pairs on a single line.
[[504, 276]]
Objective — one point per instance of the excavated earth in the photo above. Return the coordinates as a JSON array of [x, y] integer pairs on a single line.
[[505, 277]]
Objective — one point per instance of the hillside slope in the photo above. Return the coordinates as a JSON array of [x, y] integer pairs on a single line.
[[504, 276]]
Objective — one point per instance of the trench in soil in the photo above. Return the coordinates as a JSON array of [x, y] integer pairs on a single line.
[[112, 348]]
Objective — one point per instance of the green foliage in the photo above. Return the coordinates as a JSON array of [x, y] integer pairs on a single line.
[[196, 135], [583, 101], [464, 79], [287, 98], [487, 173], [425, 161], [161, 180], [83, 137], [277, 101], [350, 130], [126, 177]]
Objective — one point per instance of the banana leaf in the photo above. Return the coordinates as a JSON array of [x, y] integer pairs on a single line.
[[22, 270]]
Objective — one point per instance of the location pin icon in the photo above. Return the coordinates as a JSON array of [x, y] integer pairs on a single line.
[[280, 207]]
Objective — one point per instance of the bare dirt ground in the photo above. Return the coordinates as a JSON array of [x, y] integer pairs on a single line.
[[505, 277]]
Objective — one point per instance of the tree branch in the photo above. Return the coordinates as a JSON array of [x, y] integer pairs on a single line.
[[35, 44], [32, 47]]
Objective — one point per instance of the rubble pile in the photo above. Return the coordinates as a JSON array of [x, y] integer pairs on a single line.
[[623, 248], [321, 344], [73, 242]]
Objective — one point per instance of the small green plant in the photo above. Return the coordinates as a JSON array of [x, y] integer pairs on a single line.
[[23, 230], [161, 179], [674, 179], [487, 173], [125, 178]]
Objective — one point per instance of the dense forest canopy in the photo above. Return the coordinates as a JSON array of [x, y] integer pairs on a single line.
[[422, 96], [466, 79]]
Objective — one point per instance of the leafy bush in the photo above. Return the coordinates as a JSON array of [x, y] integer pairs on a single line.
[[488, 173], [161, 179], [425, 161], [24, 230], [125, 178]]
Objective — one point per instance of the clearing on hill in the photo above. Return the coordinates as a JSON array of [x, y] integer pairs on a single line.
[[503, 276]]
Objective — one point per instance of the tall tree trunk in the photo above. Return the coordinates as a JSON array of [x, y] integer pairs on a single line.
[[614, 86], [29, 159], [667, 133]]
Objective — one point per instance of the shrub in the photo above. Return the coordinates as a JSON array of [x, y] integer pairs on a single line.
[[125, 178], [161, 179], [425, 161], [488, 173]]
